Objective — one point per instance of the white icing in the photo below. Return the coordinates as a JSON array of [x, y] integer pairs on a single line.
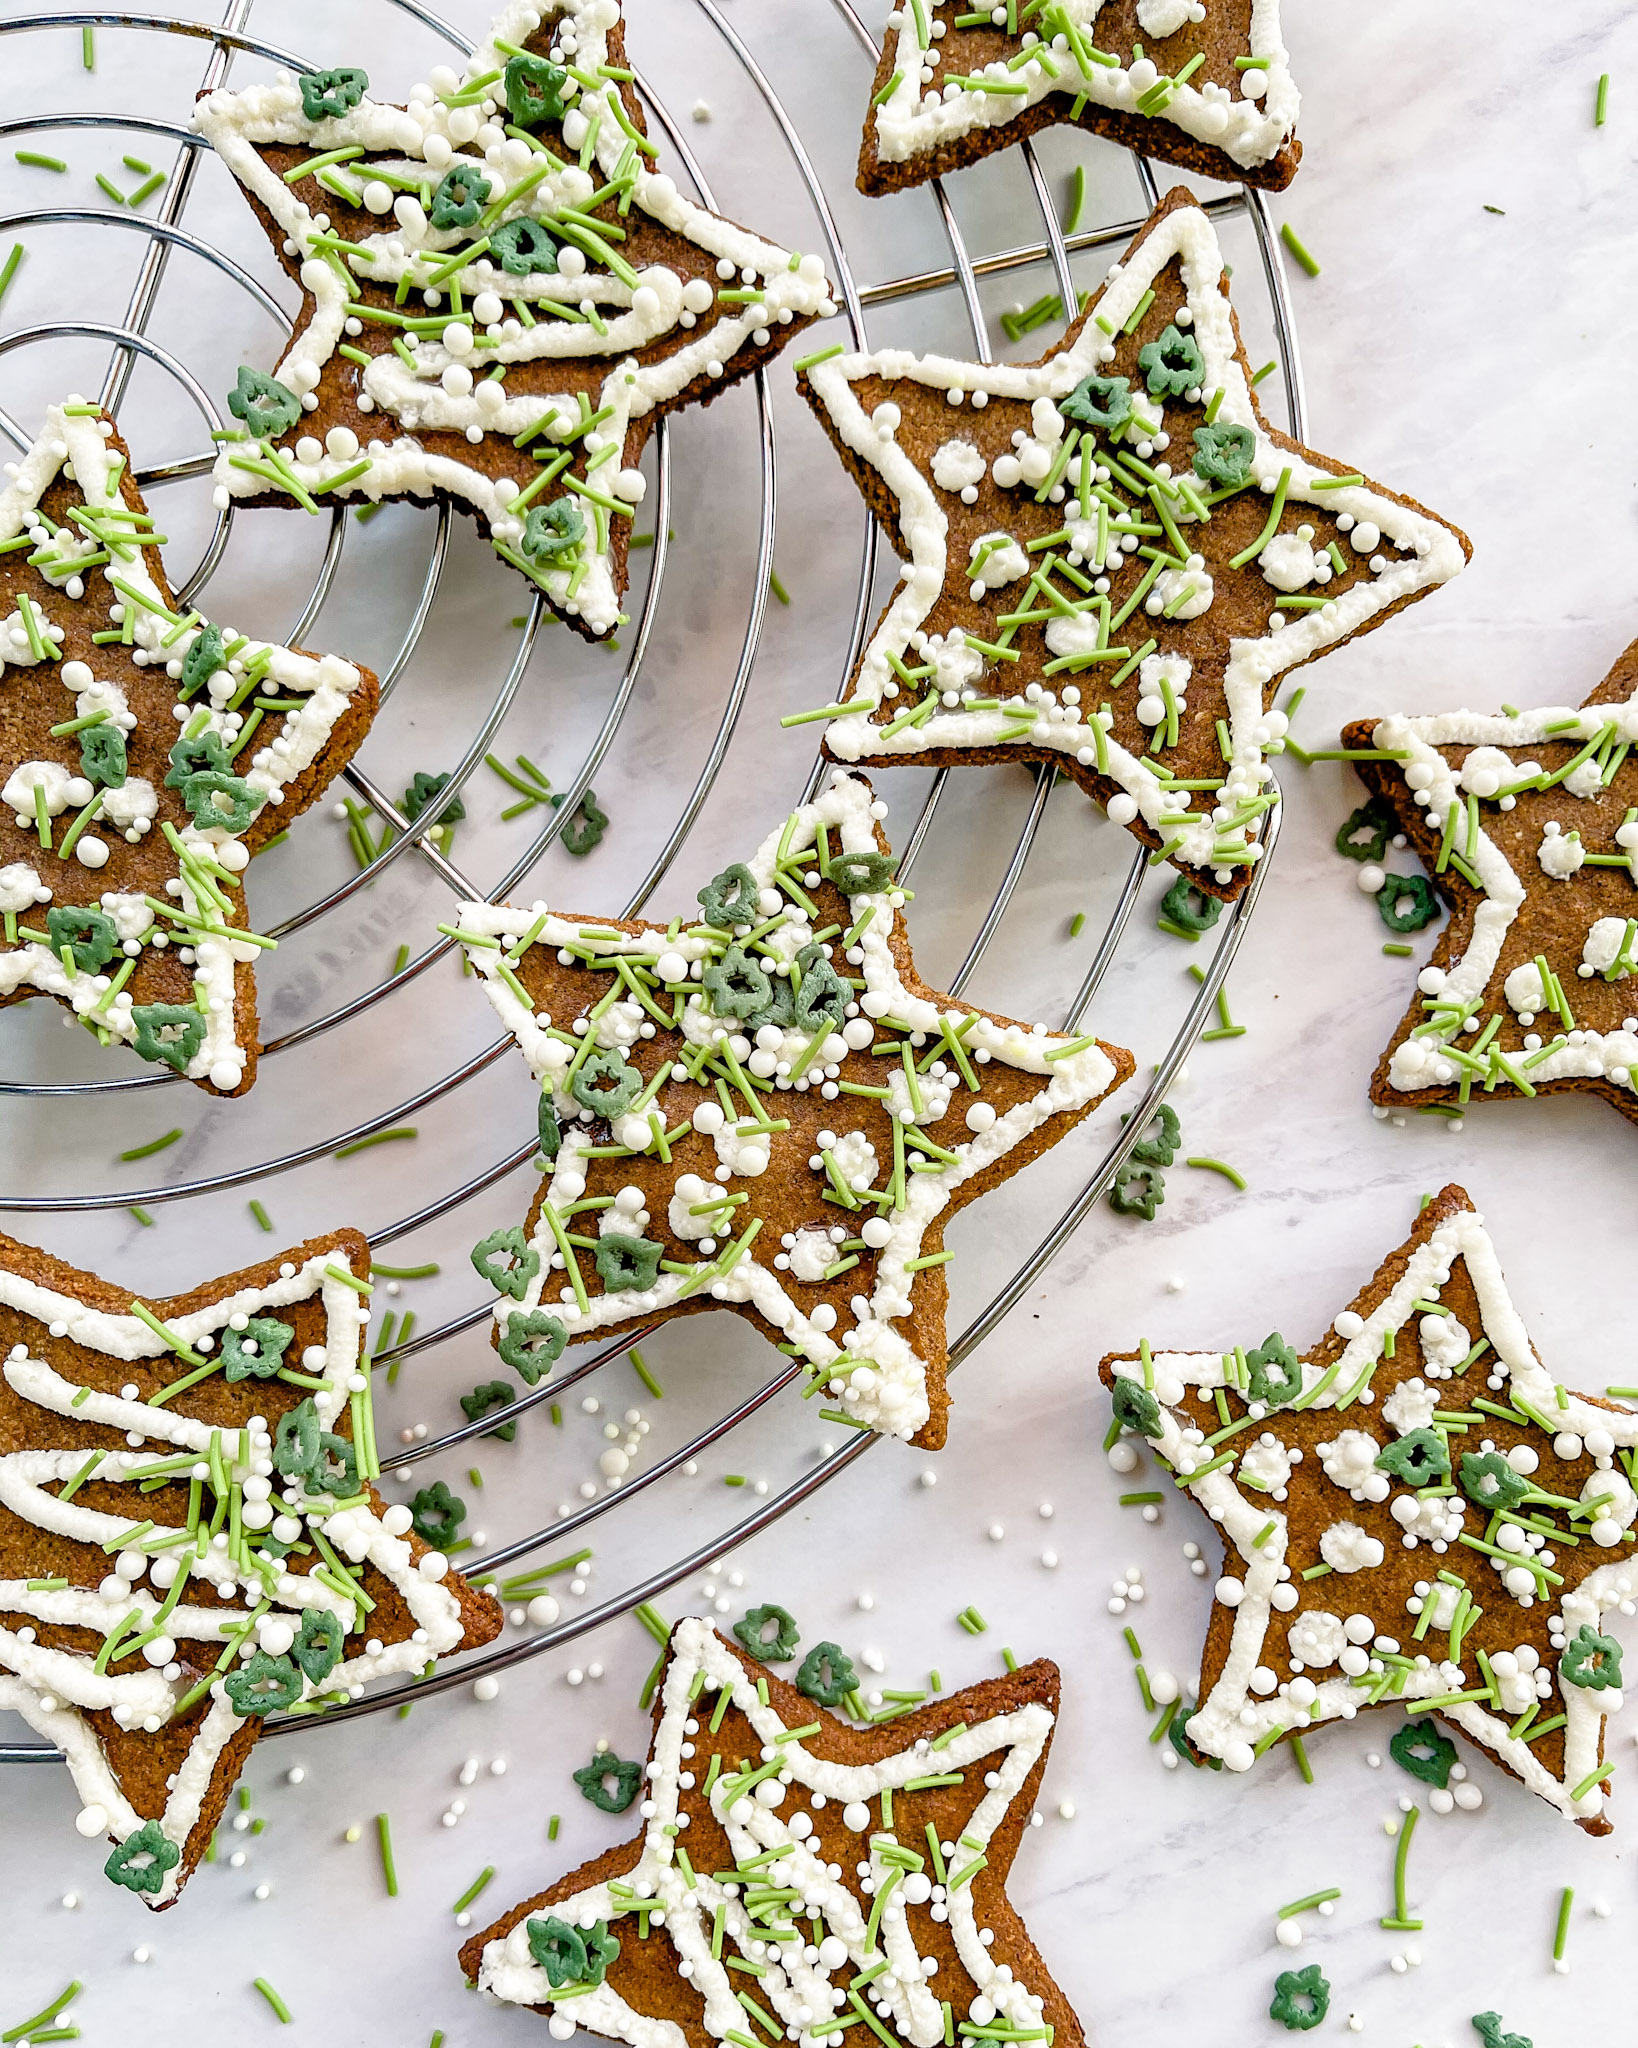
[[1346, 1548], [956, 464], [1419, 743], [1349, 1461], [1411, 1404]]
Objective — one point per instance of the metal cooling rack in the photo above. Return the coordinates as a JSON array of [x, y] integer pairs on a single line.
[[128, 341]]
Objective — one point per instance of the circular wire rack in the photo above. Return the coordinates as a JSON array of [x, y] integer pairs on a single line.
[[129, 342]]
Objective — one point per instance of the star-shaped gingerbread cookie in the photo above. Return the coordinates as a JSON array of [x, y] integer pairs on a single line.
[[1204, 84], [795, 1877], [190, 1536], [502, 295], [767, 1108], [1110, 556], [1414, 1513], [145, 756], [1528, 824]]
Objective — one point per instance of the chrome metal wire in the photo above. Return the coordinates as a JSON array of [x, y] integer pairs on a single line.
[[127, 340]]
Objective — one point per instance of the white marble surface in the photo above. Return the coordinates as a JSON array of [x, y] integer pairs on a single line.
[[1477, 361]]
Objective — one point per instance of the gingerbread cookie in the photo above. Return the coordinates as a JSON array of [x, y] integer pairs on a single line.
[[765, 1107], [1110, 556], [1527, 822], [1414, 1513], [145, 756], [502, 295], [795, 1877], [190, 1538], [1204, 84]]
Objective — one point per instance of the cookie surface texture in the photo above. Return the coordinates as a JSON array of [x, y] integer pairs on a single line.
[[1175, 80], [503, 295], [145, 755], [765, 1107], [1528, 827], [147, 1628], [1415, 1514], [937, 1802], [1111, 558]]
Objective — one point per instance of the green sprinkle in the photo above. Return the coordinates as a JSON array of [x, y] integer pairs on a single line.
[[1562, 1933], [1076, 923], [389, 1869], [1217, 1166], [10, 270], [1401, 1921], [1288, 235], [552, 1827], [153, 1145], [822, 355], [135, 163], [733, 1478], [263, 1220], [1307, 1904], [280, 2009], [38, 162], [473, 1889], [1601, 103], [1502, 210], [1267, 370], [113, 191], [777, 587], [403, 1272], [1397, 951], [88, 48], [43, 2019], [147, 188], [643, 1373], [377, 1138]]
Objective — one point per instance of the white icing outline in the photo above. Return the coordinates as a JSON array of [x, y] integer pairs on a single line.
[[1220, 1725], [1184, 233], [1597, 1055], [235, 122], [50, 1687], [1016, 1740], [1248, 131], [898, 1404], [325, 681]]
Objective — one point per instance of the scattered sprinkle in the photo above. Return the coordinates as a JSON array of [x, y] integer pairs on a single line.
[[280, 2009], [777, 587], [389, 1869], [1077, 199], [141, 1215], [1077, 924], [1601, 103], [39, 162], [263, 1220], [403, 1272], [1218, 1166], [1305, 261], [153, 1145]]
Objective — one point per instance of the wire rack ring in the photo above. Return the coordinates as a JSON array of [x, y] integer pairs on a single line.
[[165, 238]]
